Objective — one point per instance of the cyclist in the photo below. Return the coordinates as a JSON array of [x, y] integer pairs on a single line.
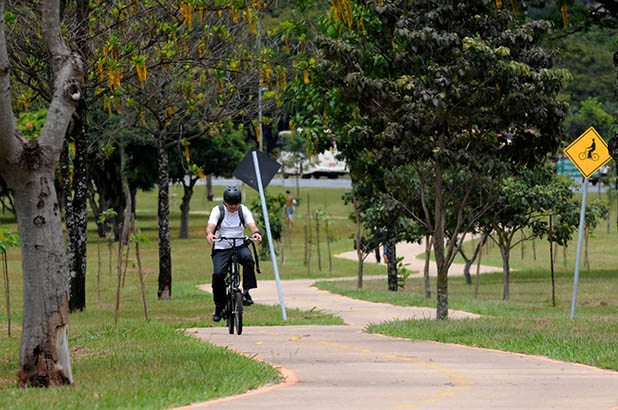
[[229, 220], [591, 148]]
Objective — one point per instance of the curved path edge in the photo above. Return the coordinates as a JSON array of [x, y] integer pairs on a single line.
[[288, 377], [342, 367]]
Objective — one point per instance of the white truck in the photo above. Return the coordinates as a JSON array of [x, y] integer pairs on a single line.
[[325, 164]]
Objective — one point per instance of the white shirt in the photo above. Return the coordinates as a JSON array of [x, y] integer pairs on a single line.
[[230, 226]]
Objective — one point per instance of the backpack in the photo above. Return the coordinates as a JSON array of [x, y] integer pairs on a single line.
[[222, 215]]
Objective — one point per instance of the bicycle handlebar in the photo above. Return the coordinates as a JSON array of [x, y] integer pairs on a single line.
[[242, 238]]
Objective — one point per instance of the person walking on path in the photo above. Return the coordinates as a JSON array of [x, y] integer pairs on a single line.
[[290, 202]]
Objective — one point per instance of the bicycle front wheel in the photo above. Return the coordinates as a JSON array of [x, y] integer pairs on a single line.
[[238, 312], [230, 312]]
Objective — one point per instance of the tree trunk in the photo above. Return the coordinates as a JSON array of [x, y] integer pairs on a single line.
[[533, 249], [108, 184], [551, 261], [468, 263], [185, 207], [126, 225], [44, 355], [505, 251], [359, 253], [139, 267], [426, 267], [330, 254], [391, 249], [442, 292], [165, 251], [478, 264], [28, 167], [209, 195], [77, 232], [438, 249]]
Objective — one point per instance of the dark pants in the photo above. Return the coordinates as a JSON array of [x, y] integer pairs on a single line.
[[220, 260]]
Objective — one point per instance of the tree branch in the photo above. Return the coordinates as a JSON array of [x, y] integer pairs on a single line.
[[8, 127]]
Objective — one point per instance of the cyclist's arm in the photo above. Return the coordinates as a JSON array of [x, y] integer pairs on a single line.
[[255, 233], [210, 233]]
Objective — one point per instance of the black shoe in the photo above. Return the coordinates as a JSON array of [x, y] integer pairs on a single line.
[[218, 315], [246, 299]]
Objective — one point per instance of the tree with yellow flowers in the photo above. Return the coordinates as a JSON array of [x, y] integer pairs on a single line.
[[28, 165]]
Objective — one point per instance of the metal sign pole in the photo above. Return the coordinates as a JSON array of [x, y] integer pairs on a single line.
[[270, 238], [582, 217]]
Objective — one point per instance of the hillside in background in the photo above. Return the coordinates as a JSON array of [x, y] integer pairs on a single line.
[[589, 57]]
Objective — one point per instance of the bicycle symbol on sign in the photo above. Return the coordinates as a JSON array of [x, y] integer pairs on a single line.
[[589, 152]]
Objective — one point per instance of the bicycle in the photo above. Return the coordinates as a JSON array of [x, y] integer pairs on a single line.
[[233, 306], [583, 155]]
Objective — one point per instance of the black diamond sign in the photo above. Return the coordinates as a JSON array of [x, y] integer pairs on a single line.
[[245, 171]]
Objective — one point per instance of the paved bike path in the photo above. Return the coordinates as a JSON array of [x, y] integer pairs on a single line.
[[340, 367], [410, 250]]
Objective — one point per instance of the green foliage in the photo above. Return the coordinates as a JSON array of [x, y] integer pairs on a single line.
[[31, 123], [595, 213], [218, 154], [139, 237], [8, 239], [274, 204], [525, 202], [589, 57], [590, 113], [402, 273]]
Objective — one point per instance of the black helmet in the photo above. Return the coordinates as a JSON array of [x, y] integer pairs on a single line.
[[232, 195]]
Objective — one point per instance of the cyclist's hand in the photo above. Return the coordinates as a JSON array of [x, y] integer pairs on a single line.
[[210, 238], [257, 236]]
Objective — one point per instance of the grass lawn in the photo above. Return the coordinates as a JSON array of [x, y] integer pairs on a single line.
[[527, 323], [139, 364]]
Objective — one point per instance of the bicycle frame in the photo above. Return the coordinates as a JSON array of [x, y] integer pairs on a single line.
[[234, 306]]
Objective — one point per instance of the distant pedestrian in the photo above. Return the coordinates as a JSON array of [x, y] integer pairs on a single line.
[[290, 203]]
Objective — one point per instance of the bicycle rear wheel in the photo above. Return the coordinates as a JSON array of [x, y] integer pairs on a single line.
[[230, 312], [238, 312]]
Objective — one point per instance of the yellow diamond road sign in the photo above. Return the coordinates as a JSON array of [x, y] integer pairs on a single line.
[[588, 152]]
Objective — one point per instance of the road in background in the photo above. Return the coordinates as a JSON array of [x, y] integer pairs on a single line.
[[290, 182]]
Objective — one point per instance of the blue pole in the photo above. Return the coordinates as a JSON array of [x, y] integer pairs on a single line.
[[582, 217], [270, 238]]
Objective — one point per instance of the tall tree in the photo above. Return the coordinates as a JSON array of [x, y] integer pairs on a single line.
[[28, 166], [438, 86], [524, 203]]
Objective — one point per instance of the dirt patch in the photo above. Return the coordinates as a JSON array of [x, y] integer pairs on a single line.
[[81, 352]]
